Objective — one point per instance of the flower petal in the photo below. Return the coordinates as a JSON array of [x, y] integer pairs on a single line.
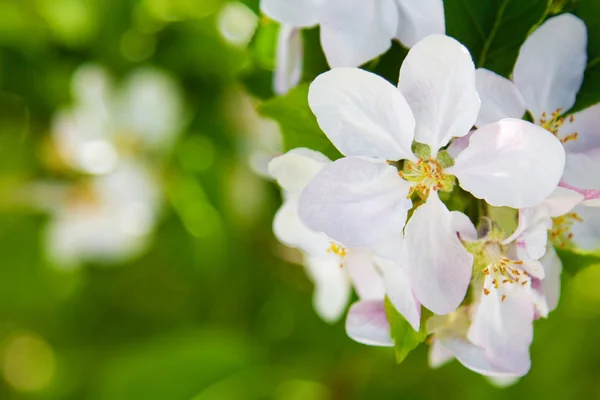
[[332, 286], [367, 323], [289, 230], [289, 59], [578, 169], [586, 233], [551, 283], [438, 354], [586, 124], [510, 163], [399, 292], [362, 114], [298, 13], [440, 275], [367, 281], [419, 19], [551, 63], [503, 325], [500, 98], [294, 169], [356, 202], [356, 31], [437, 78]]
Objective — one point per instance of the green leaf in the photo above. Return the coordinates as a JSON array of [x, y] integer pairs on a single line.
[[589, 12], [493, 30], [298, 124], [576, 261], [405, 337]]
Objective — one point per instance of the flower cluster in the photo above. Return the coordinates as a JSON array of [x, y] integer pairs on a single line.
[[379, 218]]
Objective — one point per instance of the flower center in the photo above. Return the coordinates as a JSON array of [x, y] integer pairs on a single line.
[[553, 123], [426, 175], [561, 234]]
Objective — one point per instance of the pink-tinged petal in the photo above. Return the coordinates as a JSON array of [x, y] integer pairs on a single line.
[[289, 59], [580, 170], [419, 19], [591, 197], [289, 230], [503, 326], [298, 13], [586, 233], [473, 357], [437, 79], [356, 31], [332, 286], [294, 169], [510, 163], [438, 354], [367, 281], [458, 145], [367, 323], [551, 63], [356, 202], [551, 284], [398, 290], [586, 124], [500, 98], [363, 114], [439, 267], [562, 200]]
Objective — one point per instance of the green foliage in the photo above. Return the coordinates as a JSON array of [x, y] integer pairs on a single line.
[[298, 124], [405, 337], [493, 30], [575, 261], [589, 12]]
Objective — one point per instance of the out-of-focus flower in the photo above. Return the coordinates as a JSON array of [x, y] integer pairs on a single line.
[[116, 139], [362, 199], [237, 23], [352, 32], [333, 268]]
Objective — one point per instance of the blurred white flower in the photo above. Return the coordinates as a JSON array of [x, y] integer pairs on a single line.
[[237, 23], [352, 31]]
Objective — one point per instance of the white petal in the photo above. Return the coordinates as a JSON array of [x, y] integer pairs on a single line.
[[294, 169], [503, 381], [298, 13], [367, 281], [356, 202], [289, 59], [150, 108], [356, 31], [289, 230], [362, 114], [561, 201], [530, 265], [367, 323], [458, 145], [418, 19], [438, 354], [551, 283], [500, 98], [505, 327], [550, 66], [472, 356], [332, 286], [437, 78], [578, 169], [400, 294], [440, 275], [586, 124], [510, 163], [586, 234]]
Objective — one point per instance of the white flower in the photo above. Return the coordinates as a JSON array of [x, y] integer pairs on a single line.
[[333, 268], [362, 200], [105, 126], [352, 31], [107, 219], [547, 76]]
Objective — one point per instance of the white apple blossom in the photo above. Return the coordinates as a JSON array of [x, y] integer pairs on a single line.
[[352, 31], [362, 200], [333, 268]]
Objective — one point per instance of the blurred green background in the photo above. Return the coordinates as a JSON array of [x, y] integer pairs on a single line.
[[214, 309]]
